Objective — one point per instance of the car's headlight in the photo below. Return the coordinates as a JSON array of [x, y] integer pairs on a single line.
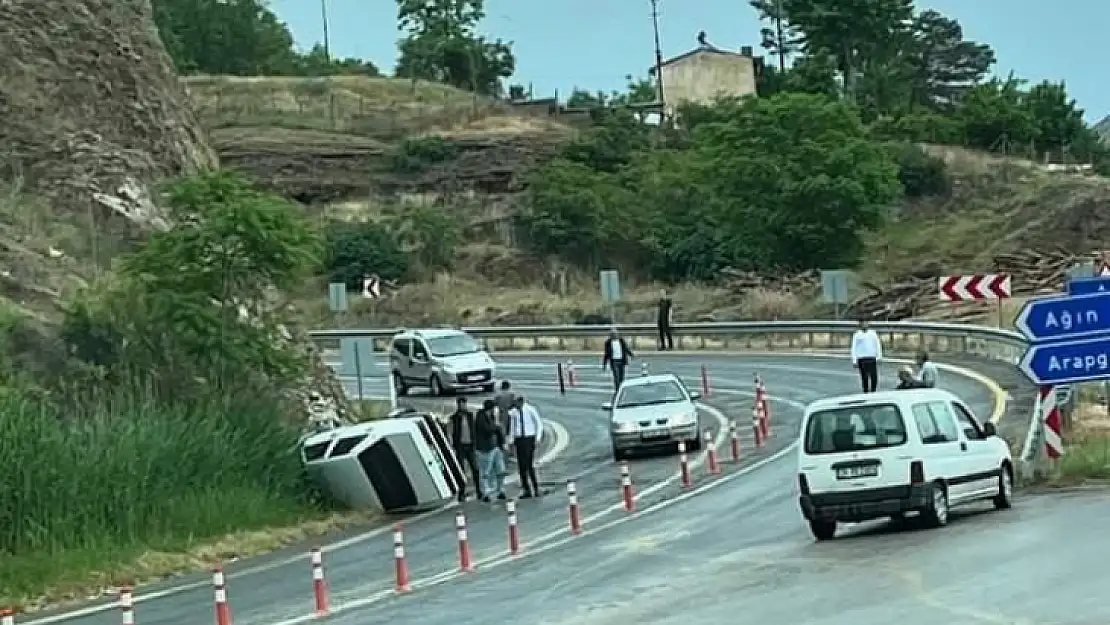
[[623, 426], [687, 418]]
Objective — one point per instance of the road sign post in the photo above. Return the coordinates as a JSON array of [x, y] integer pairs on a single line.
[[356, 354], [834, 288], [337, 296], [611, 291]]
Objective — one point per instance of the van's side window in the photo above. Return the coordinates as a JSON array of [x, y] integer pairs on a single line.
[[967, 423], [401, 346], [935, 423], [945, 420], [419, 351]]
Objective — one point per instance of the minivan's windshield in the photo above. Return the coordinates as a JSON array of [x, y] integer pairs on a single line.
[[649, 394], [855, 428], [453, 345]]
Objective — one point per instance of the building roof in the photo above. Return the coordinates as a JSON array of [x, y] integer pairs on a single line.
[[706, 49]]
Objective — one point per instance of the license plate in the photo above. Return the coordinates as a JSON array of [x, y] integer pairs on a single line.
[[848, 473], [475, 378], [657, 433]]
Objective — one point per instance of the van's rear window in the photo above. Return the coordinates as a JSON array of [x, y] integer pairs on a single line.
[[855, 428]]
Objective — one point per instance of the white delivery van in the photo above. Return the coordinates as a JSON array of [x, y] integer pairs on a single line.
[[891, 453]]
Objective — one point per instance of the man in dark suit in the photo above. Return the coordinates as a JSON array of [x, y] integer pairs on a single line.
[[462, 438], [617, 356]]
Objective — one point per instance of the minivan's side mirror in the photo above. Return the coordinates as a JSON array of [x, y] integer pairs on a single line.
[[695, 395], [607, 406], [989, 429]]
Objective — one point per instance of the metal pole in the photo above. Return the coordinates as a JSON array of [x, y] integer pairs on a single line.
[[358, 372], [658, 51], [327, 42]]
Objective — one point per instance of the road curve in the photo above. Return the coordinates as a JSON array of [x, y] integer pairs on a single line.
[[757, 510]]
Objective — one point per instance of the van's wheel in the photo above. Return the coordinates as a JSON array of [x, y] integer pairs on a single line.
[[399, 384], [619, 454], [435, 387], [935, 513], [1004, 500], [822, 529], [695, 443]]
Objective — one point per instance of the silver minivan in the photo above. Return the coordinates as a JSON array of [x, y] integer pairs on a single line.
[[443, 361]]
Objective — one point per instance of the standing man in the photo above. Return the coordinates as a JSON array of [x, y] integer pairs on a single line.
[[462, 438], [489, 444], [926, 370], [867, 351], [665, 321], [617, 356], [525, 428], [505, 399]]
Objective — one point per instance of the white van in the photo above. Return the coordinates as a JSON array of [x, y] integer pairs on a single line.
[[443, 360], [885, 454]]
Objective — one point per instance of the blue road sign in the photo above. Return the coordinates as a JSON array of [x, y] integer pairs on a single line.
[[1088, 286], [1068, 362], [1062, 317]]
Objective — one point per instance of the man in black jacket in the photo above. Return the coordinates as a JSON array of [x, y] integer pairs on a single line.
[[462, 438], [617, 356], [665, 321], [489, 443]]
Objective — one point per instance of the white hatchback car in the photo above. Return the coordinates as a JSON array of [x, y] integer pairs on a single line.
[[885, 454], [653, 411]]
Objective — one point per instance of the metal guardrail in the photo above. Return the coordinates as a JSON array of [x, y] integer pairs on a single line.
[[993, 343]]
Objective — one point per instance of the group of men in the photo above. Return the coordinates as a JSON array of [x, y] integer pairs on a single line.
[[867, 352], [481, 439]]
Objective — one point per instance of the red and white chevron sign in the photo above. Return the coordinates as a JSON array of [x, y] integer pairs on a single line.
[[975, 287]]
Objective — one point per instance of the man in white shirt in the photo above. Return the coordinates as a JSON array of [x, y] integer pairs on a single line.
[[926, 370], [616, 357], [867, 351], [526, 429]]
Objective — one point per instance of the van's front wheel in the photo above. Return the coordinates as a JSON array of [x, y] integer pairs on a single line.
[[823, 530]]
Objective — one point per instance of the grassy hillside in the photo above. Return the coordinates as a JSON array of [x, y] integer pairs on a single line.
[[329, 142]]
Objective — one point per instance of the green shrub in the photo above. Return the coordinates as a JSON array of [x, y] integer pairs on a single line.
[[921, 173], [357, 249], [86, 492], [415, 155]]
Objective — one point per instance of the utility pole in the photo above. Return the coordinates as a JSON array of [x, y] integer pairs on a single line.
[[779, 32], [658, 50], [327, 42]]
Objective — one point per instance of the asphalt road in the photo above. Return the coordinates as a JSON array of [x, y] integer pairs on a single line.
[[646, 570]]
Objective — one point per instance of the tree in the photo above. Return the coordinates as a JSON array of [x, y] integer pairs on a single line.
[[857, 33], [944, 65], [781, 38], [356, 249], [317, 62], [994, 114], [442, 45], [1057, 120]]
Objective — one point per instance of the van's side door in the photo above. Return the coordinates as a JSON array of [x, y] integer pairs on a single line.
[[945, 454], [399, 357], [421, 361], [983, 476]]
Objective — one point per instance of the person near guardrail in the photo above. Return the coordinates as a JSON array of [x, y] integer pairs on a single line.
[[867, 351], [462, 437], [926, 370], [617, 355], [907, 380], [526, 428], [489, 445], [665, 321]]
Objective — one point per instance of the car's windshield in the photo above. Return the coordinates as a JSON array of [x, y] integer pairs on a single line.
[[453, 345], [648, 394], [855, 428]]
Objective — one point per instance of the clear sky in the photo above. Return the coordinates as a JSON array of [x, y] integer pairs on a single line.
[[593, 44]]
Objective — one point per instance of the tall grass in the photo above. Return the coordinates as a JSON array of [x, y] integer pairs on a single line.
[[84, 494]]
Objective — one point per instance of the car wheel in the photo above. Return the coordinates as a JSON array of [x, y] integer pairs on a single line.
[[435, 387], [822, 529], [488, 388], [619, 454], [399, 384], [695, 443], [936, 512], [1004, 500]]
